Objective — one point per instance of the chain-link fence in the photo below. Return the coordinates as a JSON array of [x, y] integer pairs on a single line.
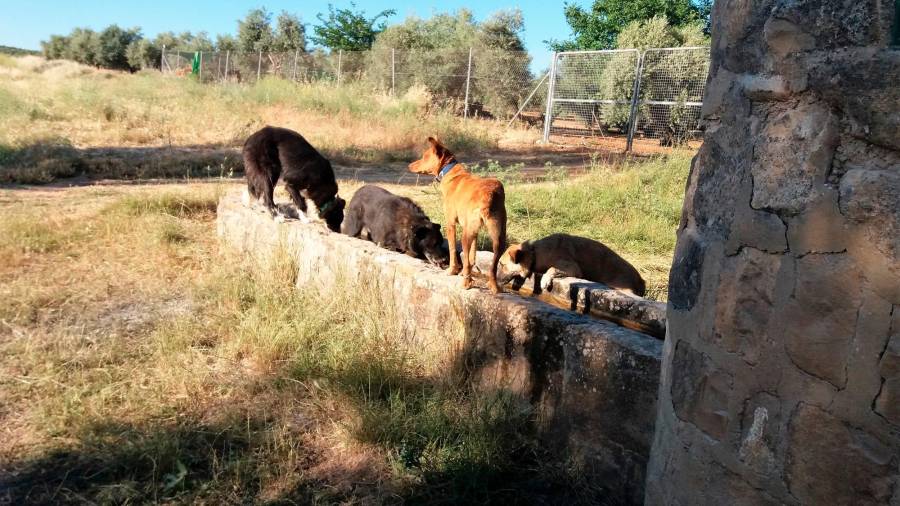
[[472, 82], [591, 92], [614, 94], [626, 94]]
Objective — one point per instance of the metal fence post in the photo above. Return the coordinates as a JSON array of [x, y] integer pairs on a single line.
[[200, 74], [525, 103], [468, 80], [393, 74], [219, 64], [340, 57], [162, 59], [227, 56], [259, 66], [294, 72], [635, 99], [548, 116]]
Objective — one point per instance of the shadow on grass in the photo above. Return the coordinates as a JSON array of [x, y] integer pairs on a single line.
[[447, 441], [227, 462], [48, 160], [53, 159]]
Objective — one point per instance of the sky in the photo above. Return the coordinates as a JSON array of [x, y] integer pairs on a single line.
[[25, 23]]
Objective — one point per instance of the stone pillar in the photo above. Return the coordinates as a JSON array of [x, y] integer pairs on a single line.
[[781, 371]]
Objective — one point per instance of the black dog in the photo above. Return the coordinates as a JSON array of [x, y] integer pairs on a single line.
[[395, 223], [274, 152]]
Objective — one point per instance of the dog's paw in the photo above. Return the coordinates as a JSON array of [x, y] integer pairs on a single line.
[[303, 217], [467, 282], [453, 270], [279, 218], [548, 277]]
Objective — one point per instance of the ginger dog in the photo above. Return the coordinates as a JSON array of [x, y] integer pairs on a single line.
[[563, 255], [471, 201]]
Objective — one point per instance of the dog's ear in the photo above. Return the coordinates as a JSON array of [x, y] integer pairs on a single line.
[[514, 252], [439, 149], [421, 233], [522, 254]]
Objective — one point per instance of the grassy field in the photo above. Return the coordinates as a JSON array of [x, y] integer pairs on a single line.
[[50, 112], [140, 362]]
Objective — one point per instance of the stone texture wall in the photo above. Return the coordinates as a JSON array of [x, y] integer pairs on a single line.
[[592, 383], [781, 370]]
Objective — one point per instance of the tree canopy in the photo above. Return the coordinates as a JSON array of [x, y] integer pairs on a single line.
[[599, 27], [348, 29]]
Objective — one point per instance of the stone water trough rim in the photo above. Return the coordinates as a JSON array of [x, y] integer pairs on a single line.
[[594, 300]]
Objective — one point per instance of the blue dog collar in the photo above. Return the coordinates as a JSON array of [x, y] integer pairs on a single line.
[[445, 169]]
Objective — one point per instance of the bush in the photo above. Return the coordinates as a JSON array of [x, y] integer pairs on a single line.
[[111, 47], [434, 53], [143, 54]]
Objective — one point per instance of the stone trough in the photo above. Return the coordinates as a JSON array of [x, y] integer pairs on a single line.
[[592, 383]]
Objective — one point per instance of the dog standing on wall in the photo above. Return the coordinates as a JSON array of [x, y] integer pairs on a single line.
[[469, 200], [272, 153], [563, 255]]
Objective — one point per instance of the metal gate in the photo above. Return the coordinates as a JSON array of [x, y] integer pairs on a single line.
[[627, 94]]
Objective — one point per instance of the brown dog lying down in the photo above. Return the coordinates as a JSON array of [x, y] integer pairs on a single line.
[[563, 255], [470, 200]]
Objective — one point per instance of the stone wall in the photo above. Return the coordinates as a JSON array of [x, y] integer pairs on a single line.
[[781, 370], [592, 383]]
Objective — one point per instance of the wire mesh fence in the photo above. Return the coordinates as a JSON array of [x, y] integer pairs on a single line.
[[625, 94], [613, 94], [592, 92], [671, 94]]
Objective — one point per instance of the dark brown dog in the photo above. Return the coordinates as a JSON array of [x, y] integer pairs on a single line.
[[470, 200], [274, 152], [563, 255], [395, 223]]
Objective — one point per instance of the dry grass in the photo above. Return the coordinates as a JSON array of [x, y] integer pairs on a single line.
[[138, 363], [54, 115]]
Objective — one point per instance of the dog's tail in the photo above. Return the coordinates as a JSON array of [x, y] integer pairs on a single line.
[[495, 222]]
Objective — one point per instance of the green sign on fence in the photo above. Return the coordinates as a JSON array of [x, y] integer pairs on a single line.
[[195, 65]]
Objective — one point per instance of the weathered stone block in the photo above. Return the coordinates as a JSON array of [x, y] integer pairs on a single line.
[[887, 404], [685, 278], [834, 24], [792, 156], [745, 297], [761, 433], [700, 391], [862, 84], [820, 317], [820, 228], [758, 230], [829, 462], [871, 200]]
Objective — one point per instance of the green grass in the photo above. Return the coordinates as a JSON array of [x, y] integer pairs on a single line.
[[634, 208]]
